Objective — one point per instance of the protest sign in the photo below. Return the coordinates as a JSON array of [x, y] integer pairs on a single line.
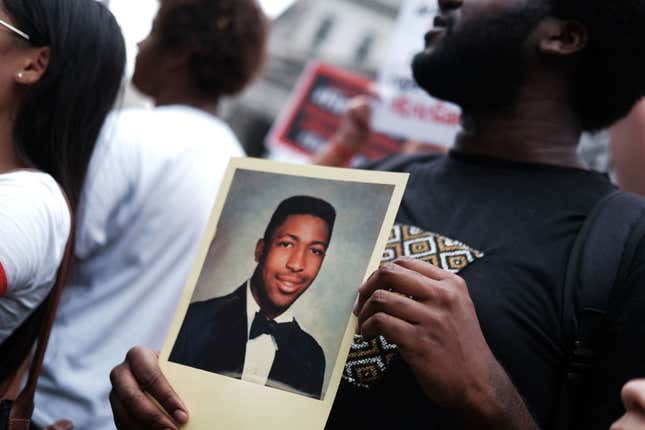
[[315, 111]]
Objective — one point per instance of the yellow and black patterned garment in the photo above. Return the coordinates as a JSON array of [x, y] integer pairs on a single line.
[[369, 360], [522, 219]]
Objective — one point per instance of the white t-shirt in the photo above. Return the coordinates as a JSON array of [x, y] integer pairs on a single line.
[[151, 185], [34, 227]]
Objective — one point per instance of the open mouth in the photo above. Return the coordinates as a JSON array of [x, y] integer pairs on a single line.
[[289, 284]]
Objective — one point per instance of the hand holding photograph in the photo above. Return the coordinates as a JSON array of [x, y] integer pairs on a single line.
[[264, 325]]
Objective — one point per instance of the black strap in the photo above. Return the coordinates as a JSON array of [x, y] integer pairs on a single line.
[[599, 259], [398, 163]]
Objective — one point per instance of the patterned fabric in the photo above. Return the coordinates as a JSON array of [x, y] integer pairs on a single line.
[[369, 360]]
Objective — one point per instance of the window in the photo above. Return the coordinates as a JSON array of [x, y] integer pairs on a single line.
[[363, 49], [324, 29]]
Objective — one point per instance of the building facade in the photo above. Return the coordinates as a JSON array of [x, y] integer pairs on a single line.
[[353, 34]]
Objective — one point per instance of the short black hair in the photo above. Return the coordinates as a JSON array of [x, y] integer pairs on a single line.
[[225, 39], [610, 77], [301, 205]]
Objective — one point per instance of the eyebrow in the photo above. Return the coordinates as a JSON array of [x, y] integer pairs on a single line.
[[316, 242]]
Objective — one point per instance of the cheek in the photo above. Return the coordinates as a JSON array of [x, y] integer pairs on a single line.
[[313, 264], [277, 259]]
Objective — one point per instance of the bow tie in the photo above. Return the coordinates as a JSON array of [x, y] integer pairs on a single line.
[[263, 325]]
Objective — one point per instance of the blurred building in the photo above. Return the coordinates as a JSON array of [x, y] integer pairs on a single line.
[[353, 34]]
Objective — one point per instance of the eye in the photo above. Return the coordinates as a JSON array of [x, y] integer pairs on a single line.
[[285, 244], [318, 251]]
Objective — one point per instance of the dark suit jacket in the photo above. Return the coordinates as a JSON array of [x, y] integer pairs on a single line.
[[213, 338]]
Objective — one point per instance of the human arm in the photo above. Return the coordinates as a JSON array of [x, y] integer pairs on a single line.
[[440, 338], [353, 133], [132, 381], [34, 228]]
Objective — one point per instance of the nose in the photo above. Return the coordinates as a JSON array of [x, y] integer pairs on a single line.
[[446, 5], [296, 261]]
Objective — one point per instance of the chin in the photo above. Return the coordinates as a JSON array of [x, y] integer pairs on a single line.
[[436, 75]]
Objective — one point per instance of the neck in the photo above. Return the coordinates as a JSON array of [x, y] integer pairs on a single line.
[[8, 157], [537, 129], [187, 97]]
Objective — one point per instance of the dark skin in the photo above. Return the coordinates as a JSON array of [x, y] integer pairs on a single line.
[[541, 126], [438, 331], [163, 74]]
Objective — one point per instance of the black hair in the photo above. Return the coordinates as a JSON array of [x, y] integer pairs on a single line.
[[301, 205], [226, 41], [60, 118], [610, 77]]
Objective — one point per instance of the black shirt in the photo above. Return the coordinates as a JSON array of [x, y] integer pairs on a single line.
[[524, 217]]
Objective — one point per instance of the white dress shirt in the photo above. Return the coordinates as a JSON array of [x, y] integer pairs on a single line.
[[260, 352]]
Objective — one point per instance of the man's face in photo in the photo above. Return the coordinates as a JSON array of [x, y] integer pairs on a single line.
[[475, 55], [290, 262]]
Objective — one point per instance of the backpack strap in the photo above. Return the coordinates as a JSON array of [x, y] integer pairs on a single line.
[[398, 163], [600, 258], [22, 402]]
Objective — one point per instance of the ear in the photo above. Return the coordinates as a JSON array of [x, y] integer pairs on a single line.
[[34, 66], [259, 250], [562, 38], [174, 59]]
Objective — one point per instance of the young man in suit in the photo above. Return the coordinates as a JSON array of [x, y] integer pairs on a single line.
[[251, 334]]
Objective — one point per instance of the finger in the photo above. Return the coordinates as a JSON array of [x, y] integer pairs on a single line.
[[393, 329], [633, 395], [359, 111], [393, 304], [144, 364], [123, 420], [426, 269], [395, 277], [373, 92], [133, 404]]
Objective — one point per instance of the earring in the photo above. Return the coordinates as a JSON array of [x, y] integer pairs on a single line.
[[20, 75]]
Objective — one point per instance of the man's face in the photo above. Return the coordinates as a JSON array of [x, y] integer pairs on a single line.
[[147, 76], [476, 53], [290, 262]]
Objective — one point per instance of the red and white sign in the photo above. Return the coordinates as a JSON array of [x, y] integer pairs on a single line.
[[315, 111]]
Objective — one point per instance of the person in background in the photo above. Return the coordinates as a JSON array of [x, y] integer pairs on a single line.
[[61, 71], [628, 150], [151, 185]]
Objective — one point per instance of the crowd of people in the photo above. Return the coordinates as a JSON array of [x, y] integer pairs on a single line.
[[492, 347]]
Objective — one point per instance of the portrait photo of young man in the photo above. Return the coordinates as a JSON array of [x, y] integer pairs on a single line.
[[252, 334]]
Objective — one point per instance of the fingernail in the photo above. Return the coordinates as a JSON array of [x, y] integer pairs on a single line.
[[181, 416], [355, 311]]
